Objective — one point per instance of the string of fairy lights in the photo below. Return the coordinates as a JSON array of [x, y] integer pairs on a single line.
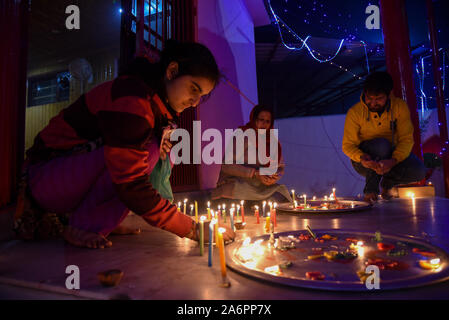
[[280, 24]]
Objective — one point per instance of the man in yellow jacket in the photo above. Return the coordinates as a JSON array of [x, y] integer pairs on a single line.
[[378, 138]]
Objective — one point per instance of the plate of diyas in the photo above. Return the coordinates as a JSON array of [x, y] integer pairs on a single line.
[[339, 260], [327, 204]]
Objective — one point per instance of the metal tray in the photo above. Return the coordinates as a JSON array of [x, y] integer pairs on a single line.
[[357, 206], [339, 276]]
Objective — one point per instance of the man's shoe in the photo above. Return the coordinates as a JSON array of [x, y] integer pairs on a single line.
[[370, 197]]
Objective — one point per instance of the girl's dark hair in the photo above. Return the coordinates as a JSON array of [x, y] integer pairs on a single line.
[[378, 82], [193, 59]]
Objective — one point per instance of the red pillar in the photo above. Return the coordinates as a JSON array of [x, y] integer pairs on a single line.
[[439, 93], [13, 67], [399, 61]]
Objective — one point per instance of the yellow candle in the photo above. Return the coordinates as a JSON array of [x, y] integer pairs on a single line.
[[179, 206], [202, 235], [196, 212], [267, 223], [208, 210], [185, 205], [293, 194], [222, 253]]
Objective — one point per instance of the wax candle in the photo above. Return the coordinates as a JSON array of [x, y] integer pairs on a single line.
[[256, 213], [208, 210], [202, 235], [238, 210], [222, 253], [231, 216], [314, 198], [293, 195], [305, 199], [185, 204], [224, 213], [243, 211], [325, 198], [211, 241], [191, 210], [179, 206], [267, 223], [295, 204], [274, 214], [263, 208], [335, 196], [196, 211]]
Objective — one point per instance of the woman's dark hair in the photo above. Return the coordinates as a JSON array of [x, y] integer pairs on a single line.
[[377, 83], [258, 109], [193, 59]]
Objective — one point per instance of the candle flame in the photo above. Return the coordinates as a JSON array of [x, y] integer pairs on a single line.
[[360, 243], [257, 207], [208, 203], [435, 261], [221, 230], [185, 200], [241, 202], [202, 218], [264, 203], [275, 205], [224, 206]]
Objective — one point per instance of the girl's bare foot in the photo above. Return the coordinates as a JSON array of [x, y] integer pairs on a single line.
[[81, 238], [122, 230]]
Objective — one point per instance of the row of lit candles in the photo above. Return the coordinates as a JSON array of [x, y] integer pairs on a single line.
[[332, 196], [216, 233]]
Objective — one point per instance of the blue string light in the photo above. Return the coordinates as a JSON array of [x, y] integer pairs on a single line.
[[278, 21]]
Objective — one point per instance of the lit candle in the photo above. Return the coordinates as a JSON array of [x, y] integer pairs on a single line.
[[274, 214], [263, 208], [243, 210], [185, 204], [314, 198], [196, 211], [231, 215], [208, 210], [218, 211], [267, 223], [224, 212], [191, 210], [295, 204], [293, 195], [335, 196], [305, 200], [211, 241], [179, 206], [238, 210], [202, 235], [325, 198], [222, 253], [256, 213]]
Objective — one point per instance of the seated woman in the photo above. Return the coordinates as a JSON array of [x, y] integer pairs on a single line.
[[94, 159], [244, 181]]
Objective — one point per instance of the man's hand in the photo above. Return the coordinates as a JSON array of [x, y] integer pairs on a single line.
[[367, 162], [385, 166]]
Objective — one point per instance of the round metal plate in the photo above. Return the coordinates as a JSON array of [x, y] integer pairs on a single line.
[[349, 206], [339, 276]]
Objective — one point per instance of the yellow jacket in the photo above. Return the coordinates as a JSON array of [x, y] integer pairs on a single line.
[[361, 125]]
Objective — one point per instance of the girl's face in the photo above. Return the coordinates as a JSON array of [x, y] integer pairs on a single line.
[[185, 91], [263, 120]]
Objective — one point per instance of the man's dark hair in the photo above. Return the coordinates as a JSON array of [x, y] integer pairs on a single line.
[[377, 83]]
